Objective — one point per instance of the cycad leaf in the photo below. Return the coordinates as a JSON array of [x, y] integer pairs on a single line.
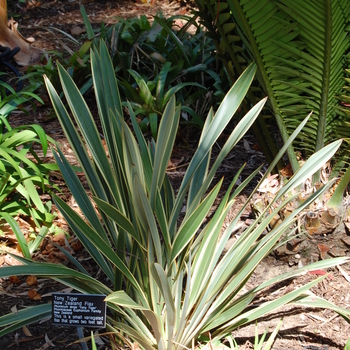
[[299, 47]]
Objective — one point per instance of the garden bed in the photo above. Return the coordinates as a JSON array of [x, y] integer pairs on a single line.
[[301, 329]]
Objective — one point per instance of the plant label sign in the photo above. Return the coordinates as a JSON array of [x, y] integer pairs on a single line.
[[79, 310]]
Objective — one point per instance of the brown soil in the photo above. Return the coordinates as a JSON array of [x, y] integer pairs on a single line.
[[302, 328]]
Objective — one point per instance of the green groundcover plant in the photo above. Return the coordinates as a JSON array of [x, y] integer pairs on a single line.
[[22, 179], [169, 279]]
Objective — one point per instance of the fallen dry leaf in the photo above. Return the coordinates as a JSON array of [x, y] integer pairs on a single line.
[[270, 184], [77, 30], [57, 256], [175, 162], [19, 249], [76, 245], [33, 3], [14, 280], [287, 171], [59, 239], [337, 251], [346, 240], [31, 281], [10, 261], [323, 248], [26, 331], [34, 295]]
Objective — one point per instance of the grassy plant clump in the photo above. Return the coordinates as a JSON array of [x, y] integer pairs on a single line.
[[168, 278]]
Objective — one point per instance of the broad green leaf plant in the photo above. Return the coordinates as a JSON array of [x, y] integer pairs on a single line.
[[169, 279], [152, 96], [154, 60], [21, 177]]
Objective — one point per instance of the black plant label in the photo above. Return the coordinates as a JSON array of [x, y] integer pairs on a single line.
[[79, 310]]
